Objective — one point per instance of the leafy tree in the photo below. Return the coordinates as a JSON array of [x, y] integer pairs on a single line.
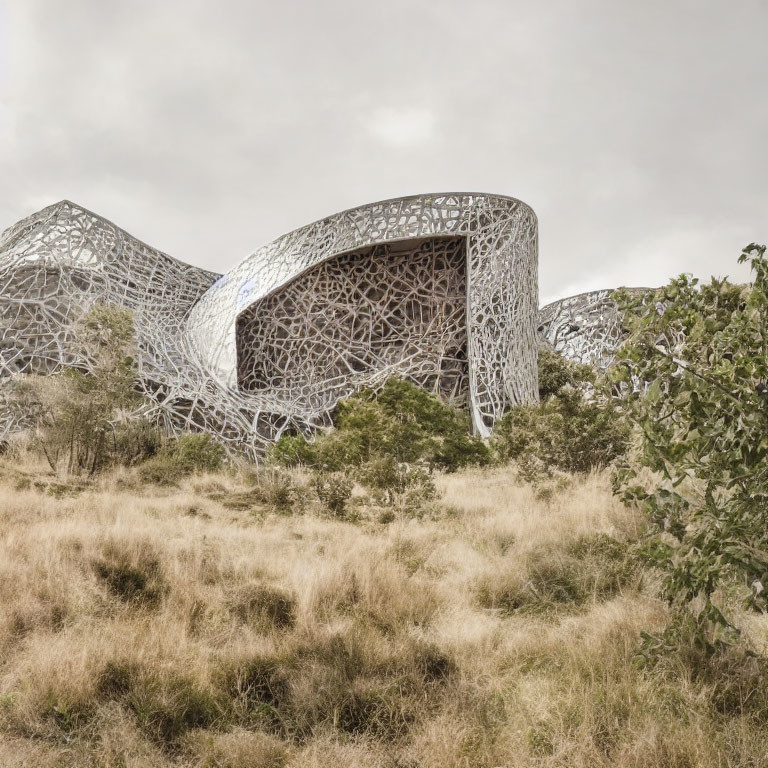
[[702, 351]]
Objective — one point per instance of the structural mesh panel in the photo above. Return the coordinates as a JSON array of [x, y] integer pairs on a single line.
[[59, 262], [392, 309], [586, 328], [500, 236], [469, 331]]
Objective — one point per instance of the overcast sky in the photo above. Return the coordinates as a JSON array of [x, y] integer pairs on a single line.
[[638, 131]]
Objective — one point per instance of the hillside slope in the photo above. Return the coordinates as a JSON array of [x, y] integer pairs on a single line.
[[194, 626]]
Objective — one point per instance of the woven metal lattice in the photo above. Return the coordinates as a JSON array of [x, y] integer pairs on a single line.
[[586, 328], [437, 288], [500, 237], [393, 309]]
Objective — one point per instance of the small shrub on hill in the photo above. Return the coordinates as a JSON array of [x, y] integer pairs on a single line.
[[565, 432], [263, 606], [594, 567], [85, 419], [292, 451], [570, 430], [131, 573], [557, 372], [401, 421], [198, 453], [276, 489], [181, 457], [405, 487], [162, 470], [334, 490], [167, 704]]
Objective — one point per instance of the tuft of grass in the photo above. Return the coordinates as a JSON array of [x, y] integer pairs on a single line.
[[588, 568], [239, 748], [131, 571], [263, 606], [167, 704]]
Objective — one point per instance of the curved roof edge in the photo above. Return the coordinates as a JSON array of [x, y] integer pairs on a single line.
[[66, 202], [421, 195], [596, 290]]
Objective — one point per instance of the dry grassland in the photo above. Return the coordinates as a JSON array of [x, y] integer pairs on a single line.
[[142, 626]]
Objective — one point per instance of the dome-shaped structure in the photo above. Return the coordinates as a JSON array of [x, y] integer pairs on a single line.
[[586, 328]]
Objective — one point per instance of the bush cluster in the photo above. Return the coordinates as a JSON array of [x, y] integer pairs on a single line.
[[181, 457], [571, 429], [401, 421], [390, 442], [565, 432]]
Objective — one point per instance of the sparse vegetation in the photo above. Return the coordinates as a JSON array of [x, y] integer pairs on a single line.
[[401, 421], [180, 457], [147, 625], [572, 429], [84, 419], [334, 490], [390, 442]]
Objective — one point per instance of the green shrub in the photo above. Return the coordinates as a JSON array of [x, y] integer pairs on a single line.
[[406, 487], [572, 429], [198, 453], [291, 451], [181, 457], [557, 372], [85, 419], [401, 421], [566, 432], [333, 489], [162, 470]]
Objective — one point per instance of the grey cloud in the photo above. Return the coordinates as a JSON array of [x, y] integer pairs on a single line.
[[636, 130]]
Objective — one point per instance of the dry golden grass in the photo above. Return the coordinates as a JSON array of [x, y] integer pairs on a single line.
[[143, 626]]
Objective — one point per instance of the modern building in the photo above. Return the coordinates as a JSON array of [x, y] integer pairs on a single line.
[[440, 289]]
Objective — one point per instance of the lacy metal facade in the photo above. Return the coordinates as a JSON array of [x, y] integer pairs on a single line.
[[59, 262], [441, 289], [586, 328]]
